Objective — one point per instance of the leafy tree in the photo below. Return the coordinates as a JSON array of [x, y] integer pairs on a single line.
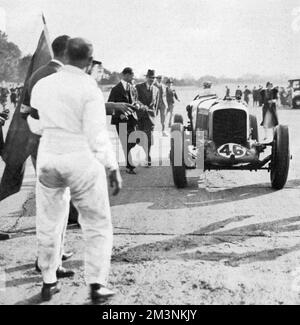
[[9, 59]]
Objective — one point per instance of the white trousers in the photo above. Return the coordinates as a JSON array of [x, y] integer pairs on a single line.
[[80, 176]]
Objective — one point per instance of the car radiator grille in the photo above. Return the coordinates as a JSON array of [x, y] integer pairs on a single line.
[[230, 125]]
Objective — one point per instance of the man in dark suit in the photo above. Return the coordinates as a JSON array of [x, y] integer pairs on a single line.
[[148, 98], [58, 47], [269, 110], [123, 93], [238, 93], [162, 105]]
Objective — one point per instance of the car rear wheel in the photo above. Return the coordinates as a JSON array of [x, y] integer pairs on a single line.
[[178, 118], [280, 157], [253, 126], [296, 102], [177, 155]]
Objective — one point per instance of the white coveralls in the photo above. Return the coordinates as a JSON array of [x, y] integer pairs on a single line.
[[74, 150]]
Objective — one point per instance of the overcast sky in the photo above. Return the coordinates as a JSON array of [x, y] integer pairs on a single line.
[[174, 37]]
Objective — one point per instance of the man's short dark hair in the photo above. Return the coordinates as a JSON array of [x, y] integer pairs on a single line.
[[127, 71], [59, 45], [79, 49]]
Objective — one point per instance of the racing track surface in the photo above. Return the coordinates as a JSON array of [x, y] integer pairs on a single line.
[[230, 239]]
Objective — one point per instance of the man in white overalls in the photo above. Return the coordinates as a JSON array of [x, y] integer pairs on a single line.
[[74, 150]]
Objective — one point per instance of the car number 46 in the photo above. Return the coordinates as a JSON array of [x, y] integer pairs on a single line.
[[229, 149]]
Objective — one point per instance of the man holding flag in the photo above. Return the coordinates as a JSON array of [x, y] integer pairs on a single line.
[[20, 143], [58, 48]]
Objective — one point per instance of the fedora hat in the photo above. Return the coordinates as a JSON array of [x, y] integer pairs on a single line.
[[169, 81], [150, 73]]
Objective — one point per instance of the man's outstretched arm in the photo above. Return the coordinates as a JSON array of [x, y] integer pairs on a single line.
[[123, 108]]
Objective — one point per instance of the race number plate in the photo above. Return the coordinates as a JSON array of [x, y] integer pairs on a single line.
[[229, 149]]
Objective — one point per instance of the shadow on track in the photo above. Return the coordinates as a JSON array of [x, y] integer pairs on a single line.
[[177, 247], [161, 193]]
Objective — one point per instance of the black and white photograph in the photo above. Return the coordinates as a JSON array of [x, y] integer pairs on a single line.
[[150, 154]]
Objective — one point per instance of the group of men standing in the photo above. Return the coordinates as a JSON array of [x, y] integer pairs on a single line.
[[240, 94], [70, 149], [257, 94], [265, 97], [147, 100]]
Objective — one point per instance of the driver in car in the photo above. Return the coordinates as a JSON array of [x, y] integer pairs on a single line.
[[207, 89]]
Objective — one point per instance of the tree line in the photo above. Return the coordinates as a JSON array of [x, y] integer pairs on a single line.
[[13, 68]]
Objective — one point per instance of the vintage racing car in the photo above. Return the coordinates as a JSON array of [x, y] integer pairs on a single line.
[[222, 134]]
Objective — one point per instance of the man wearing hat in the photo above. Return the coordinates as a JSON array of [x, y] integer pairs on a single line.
[[123, 93], [206, 90], [148, 98], [162, 105], [171, 96]]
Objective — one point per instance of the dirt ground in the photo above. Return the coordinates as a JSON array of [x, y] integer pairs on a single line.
[[229, 239]]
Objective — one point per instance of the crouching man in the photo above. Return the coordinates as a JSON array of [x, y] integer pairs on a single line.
[[74, 150]]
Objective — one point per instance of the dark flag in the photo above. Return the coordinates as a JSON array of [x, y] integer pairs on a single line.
[[20, 142]]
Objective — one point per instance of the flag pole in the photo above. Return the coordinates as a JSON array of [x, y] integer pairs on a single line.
[[46, 33]]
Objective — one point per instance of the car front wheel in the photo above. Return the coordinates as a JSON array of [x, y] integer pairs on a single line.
[[280, 157], [177, 155]]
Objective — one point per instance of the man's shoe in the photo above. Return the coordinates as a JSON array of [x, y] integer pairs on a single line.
[[100, 293], [149, 164], [130, 171], [67, 256], [64, 273], [49, 289]]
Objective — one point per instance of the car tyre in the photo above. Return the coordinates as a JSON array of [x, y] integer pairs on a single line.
[[179, 172], [295, 100], [280, 157], [253, 126]]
